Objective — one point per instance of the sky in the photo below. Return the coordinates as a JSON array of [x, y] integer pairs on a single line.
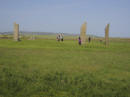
[[66, 16]]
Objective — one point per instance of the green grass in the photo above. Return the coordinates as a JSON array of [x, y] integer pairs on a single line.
[[47, 68]]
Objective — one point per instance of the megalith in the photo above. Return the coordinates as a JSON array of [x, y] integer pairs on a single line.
[[83, 33], [16, 32], [107, 35]]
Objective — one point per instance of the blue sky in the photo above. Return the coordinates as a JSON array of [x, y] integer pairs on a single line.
[[67, 16]]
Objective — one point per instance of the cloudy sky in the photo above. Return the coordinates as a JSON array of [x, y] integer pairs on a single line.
[[67, 16]]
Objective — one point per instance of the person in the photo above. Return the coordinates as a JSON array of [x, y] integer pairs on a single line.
[[79, 40], [89, 39], [62, 37], [58, 37]]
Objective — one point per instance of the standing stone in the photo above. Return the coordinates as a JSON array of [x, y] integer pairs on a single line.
[[83, 33], [107, 35], [16, 32]]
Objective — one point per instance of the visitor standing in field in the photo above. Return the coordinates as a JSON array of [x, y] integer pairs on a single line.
[[58, 37], [89, 39], [62, 38], [79, 40]]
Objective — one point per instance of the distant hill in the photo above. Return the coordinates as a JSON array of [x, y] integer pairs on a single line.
[[44, 33]]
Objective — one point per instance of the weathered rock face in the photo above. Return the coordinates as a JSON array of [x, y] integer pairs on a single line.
[[16, 32], [107, 35], [83, 33]]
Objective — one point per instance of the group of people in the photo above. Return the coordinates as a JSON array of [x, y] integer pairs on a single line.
[[60, 37], [80, 42]]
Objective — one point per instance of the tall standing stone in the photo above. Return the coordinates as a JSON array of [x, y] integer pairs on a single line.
[[107, 35], [16, 32], [83, 33]]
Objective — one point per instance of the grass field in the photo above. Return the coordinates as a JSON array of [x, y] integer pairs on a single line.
[[47, 68]]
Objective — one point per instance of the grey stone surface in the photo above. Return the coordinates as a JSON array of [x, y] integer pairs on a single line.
[[107, 35], [83, 33], [16, 32]]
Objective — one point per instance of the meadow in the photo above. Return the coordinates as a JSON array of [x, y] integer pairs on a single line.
[[47, 68]]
